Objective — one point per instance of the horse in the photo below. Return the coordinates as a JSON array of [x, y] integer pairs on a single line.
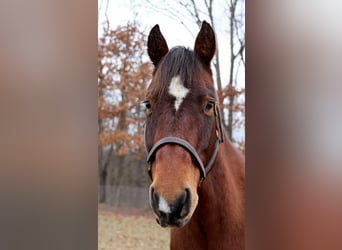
[[197, 174]]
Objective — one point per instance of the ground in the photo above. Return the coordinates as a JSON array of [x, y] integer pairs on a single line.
[[126, 229]]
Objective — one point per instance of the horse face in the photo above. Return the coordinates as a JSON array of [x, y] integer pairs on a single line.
[[180, 104]]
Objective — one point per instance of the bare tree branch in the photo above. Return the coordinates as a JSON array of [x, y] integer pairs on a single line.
[[106, 10], [171, 13], [196, 15]]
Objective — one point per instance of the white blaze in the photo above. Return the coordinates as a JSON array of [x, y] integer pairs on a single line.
[[177, 90], [163, 206]]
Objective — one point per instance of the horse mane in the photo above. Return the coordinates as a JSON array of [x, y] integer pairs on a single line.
[[179, 61]]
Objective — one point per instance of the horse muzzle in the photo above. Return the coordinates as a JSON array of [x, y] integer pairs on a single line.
[[175, 213]]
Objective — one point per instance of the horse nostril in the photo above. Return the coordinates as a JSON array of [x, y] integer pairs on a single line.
[[186, 201], [151, 190], [154, 199], [184, 196], [153, 196]]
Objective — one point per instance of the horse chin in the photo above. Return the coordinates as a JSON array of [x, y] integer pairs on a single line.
[[174, 223], [183, 222]]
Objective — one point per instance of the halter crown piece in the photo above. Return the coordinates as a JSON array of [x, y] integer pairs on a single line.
[[183, 143]]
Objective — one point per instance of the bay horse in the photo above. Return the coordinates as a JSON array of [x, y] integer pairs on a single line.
[[197, 174]]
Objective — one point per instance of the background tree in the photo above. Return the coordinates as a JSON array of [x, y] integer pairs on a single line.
[[123, 74]]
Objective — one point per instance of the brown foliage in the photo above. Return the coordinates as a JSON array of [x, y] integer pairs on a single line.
[[238, 109], [123, 75], [239, 104]]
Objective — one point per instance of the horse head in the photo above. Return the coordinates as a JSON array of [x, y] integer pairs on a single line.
[[183, 127]]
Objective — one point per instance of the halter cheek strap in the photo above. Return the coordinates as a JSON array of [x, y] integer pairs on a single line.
[[178, 141]]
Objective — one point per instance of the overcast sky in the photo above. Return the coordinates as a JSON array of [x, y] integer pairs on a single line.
[[119, 12]]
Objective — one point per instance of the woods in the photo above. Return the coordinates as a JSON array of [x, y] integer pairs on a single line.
[[124, 72]]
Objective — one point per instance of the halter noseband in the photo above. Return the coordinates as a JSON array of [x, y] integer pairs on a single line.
[[183, 143]]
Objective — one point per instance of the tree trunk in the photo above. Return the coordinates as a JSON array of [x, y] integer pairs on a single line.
[[231, 71], [217, 67], [103, 172], [102, 185]]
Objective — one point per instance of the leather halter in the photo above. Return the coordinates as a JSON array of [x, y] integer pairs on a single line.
[[183, 143]]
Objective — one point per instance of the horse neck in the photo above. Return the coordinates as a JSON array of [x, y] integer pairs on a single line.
[[221, 195]]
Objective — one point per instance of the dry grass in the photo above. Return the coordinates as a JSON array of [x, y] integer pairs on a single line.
[[124, 232]]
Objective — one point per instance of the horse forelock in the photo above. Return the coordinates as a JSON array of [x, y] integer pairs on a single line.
[[178, 62]]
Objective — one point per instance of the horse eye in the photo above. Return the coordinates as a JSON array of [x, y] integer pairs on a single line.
[[209, 106], [147, 107], [147, 104]]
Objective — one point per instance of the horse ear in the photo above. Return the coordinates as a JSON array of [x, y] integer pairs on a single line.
[[205, 44], [156, 45]]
